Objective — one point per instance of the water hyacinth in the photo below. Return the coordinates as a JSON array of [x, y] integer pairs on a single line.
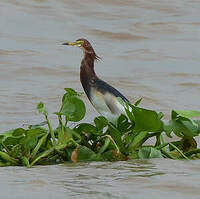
[[101, 140]]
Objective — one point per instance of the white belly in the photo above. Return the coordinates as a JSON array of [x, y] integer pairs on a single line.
[[107, 105]]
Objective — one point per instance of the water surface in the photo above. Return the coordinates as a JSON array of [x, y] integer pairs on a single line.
[[149, 49], [123, 180]]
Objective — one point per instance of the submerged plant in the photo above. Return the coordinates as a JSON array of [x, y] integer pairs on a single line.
[[102, 140]]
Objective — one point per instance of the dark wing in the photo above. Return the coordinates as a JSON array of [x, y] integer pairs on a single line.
[[104, 88]]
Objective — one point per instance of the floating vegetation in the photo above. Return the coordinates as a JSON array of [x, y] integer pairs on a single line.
[[102, 140]]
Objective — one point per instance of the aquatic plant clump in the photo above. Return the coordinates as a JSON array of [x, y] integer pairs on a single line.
[[101, 141]]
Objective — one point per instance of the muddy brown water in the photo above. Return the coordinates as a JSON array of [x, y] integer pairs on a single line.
[[149, 49]]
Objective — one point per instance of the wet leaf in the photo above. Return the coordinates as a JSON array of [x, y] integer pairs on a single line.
[[147, 120], [186, 113], [25, 161], [40, 107], [113, 155], [105, 145], [138, 102], [184, 127], [73, 108], [11, 140], [31, 138], [149, 152], [39, 145], [64, 134], [4, 156], [137, 141], [16, 151], [19, 132], [168, 128], [100, 122], [123, 125], [117, 136], [70, 92], [83, 153], [87, 128]]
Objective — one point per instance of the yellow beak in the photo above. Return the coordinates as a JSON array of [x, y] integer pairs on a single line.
[[70, 43]]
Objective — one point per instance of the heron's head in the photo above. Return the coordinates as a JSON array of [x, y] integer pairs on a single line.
[[84, 45]]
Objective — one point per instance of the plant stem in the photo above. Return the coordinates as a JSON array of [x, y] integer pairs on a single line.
[[179, 151], [60, 137], [162, 146], [50, 129], [105, 146], [167, 154], [108, 136]]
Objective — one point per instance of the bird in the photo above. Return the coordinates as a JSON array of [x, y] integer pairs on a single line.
[[103, 97]]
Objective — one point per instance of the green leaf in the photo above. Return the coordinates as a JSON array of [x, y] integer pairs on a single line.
[[187, 114], [13, 137], [25, 161], [182, 126], [31, 138], [16, 151], [123, 125], [4, 156], [149, 152], [147, 120], [41, 141], [129, 112], [11, 140], [87, 128], [100, 122], [73, 108], [160, 115], [40, 107], [36, 126], [185, 144], [86, 154], [137, 141], [6, 134], [19, 132], [64, 136], [117, 136], [113, 155], [71, 92], [105, 145], [138, 102], [168, 128]]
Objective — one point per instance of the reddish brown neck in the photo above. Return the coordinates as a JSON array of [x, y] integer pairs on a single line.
[[87, 71]]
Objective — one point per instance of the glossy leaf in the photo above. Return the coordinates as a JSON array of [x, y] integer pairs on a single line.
[[123, 125], [87, 128], [73, 108], [147, 120], [86, 154], [186, 113], [40, 107], [138, 102], [137, 141], [116, 136], [100, 122], [149, 152]]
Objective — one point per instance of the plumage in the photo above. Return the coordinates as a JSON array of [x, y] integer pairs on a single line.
[[102, 95]]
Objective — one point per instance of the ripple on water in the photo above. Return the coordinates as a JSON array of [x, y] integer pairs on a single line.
[[140, 178]]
